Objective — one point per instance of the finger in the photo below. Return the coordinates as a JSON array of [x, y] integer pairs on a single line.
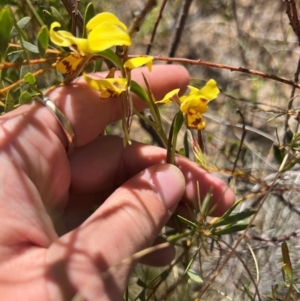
[[89, 115], [129, 221], [105, 164]]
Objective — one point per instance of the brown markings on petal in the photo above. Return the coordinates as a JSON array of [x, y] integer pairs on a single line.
[[68, 66]]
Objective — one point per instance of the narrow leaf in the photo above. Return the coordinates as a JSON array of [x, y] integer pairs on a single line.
[[111, 56], [194, 276], [30, 47], [57, 16], [231, 209], [139, 91], [234, 218], [231, 229], [21, 25], [173, 134], [88, 15], [278, 153], [6, 24], [43, 40], [287, 266]]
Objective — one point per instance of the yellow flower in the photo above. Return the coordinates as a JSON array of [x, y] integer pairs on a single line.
[[108, 87], [103, 31], [138, 62], [194, 104], [112, 87], [169, 97]]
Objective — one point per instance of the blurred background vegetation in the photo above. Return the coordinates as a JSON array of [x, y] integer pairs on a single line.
[[253, 35]]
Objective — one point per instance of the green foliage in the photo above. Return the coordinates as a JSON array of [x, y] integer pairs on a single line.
[[5, 29], [43, 40], [270, 109], [88, 15]]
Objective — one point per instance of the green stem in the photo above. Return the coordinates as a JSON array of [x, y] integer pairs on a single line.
[[34, 12]]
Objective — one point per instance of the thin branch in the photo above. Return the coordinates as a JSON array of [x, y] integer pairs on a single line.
[[71, 7], [135, 26], [183, 13], [222, 66], [20, 81], [291, 11], [241, 143], [275, 239], [156, 26]]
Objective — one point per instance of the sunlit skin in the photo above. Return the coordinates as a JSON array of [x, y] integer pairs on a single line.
[[51, 244]]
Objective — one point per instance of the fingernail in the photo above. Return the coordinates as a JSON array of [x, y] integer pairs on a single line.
[[169, 184]]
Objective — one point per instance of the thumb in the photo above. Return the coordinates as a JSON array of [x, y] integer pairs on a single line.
[[128, 221]]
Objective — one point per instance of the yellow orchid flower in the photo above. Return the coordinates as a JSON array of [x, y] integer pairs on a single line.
[[169, 97], [194, 104], [70, 63], [138, 62], [112, 87], [103, 31], [108, 87]]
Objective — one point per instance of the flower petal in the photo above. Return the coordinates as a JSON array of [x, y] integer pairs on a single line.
[[210, 91], [195, 101], [66, 39], [104, 17], [69, 64], [138, 62], [168, 98], [195, 120], [57, 37], [109, 87], [106, 35]]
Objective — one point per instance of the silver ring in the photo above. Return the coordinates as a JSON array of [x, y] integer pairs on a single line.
[[62, 119]]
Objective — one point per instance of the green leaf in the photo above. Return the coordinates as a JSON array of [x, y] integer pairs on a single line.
[[57, 16], [194, 276], [228, 212], [14, 55], [287, 266], [6, 24], [278, 153], [186, 145], [111, 56], [186, 221], [88, 15], [21, 25], [98, 65], [43, 40], [48, 18], [29, 78], [25, 97], [139, 91], [231, 229], [234, 218], [172, 141], [30, 47], [9, 103]]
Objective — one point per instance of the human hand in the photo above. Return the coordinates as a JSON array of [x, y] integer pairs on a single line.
[[50, 246]]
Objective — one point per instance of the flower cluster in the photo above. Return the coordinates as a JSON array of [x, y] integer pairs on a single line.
[[103, 31], [112, 87], [195, 103]]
